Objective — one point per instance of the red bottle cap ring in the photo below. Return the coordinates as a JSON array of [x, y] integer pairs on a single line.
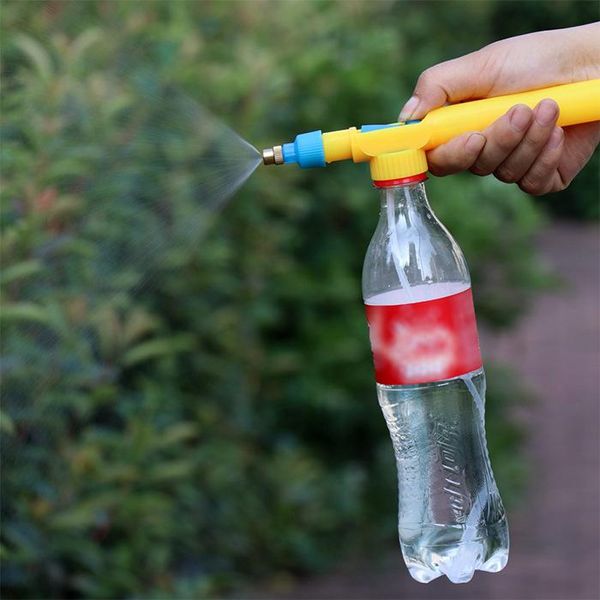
[[401, 181]]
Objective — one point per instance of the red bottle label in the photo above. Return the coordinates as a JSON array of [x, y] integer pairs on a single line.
[[421, 342]]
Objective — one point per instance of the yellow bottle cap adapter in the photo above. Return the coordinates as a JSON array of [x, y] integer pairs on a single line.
[[393, 166]]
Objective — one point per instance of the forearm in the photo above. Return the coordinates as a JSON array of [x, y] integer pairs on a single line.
[[541, 59], [584, 42]]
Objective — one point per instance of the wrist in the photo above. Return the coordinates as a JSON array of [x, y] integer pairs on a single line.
[[582, 60]]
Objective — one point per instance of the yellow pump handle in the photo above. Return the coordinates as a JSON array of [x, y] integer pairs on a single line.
[[578, 103]]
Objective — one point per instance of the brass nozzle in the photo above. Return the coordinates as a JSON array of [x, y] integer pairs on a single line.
[[273, 156]]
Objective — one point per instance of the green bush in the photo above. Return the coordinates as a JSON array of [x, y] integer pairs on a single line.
[[187, 398]]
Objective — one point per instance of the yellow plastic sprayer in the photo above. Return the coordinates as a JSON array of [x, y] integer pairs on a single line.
[[385, 146]]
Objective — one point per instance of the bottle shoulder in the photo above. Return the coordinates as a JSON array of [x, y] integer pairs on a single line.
[[411, 247]]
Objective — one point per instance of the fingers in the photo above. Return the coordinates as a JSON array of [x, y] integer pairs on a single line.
[[520, 160], [457, 155], [543, 175], [502, 136], [484, 153], [523, 147]]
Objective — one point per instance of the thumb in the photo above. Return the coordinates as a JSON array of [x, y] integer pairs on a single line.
[[467, 77]]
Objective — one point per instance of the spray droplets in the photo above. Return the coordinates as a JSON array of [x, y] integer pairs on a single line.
[[122, 186]]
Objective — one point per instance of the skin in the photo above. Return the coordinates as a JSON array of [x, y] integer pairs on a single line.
[[524, 146]]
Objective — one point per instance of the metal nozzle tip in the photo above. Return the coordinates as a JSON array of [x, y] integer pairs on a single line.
[[268, 156], [273, 156]]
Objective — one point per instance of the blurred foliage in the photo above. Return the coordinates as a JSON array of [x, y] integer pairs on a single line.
[[207, 415]]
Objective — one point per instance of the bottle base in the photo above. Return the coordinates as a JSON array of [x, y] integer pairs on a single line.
[[450, 551]]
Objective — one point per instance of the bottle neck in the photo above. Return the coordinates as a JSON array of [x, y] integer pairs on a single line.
[[405, 199], [410, 247]]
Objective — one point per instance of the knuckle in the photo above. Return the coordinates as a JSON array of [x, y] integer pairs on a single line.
[[448, 164], [507, 140], [531, 186], [426, 78], [543, 172], [506, 175], [536, 184], [441, 169], [530, 190], [546, 164], [536, 138], [480, 170], [441, 172], [437, 169], [438, 163]]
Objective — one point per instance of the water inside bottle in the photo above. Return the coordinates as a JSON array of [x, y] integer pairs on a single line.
[[450, 517], [451, 520]]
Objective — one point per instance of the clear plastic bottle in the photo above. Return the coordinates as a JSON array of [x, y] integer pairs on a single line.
[[431, 388]]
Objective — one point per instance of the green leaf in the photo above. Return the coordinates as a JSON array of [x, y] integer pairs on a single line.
[[121, 473], [21, 270], [25, 311], [6, 423], [176, 434], [36, 53], [85, 513], [84, 41], [170, 470], [157, 348], [138, 324]]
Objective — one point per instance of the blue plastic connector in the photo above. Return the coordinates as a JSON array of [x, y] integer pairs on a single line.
[[367, 128], [307, 150]]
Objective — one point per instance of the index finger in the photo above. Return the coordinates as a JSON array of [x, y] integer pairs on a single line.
[[459, 154]]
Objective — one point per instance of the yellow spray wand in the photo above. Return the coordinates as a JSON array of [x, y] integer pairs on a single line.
[[385, 146]]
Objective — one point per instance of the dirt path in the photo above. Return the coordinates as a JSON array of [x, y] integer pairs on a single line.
[[555, 537]]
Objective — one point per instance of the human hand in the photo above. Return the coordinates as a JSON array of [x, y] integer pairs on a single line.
[[524, 146]]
